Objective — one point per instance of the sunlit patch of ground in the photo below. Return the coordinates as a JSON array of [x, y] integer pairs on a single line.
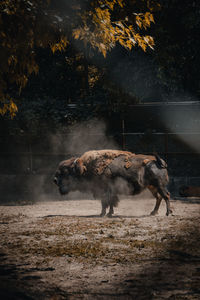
[[63, 250]]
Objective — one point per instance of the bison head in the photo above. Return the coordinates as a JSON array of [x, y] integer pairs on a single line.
[[65, 177]]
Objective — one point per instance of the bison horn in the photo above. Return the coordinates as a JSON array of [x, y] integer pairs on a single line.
[[79, 166], [55, 180]]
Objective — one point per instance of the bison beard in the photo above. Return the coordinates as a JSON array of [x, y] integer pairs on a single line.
[[107, 173]]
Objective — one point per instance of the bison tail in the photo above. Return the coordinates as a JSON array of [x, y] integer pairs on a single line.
[[160, 161]]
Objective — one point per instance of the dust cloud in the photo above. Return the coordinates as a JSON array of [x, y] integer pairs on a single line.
[[73, 142], [82, 137], [92, 135]]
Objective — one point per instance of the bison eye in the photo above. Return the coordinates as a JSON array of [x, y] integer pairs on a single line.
[[65, 171]]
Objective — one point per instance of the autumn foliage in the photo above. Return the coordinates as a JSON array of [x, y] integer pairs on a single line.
[[28, 25], [102, 31]]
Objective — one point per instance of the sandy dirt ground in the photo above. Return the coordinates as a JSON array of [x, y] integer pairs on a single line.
[[64, 250]]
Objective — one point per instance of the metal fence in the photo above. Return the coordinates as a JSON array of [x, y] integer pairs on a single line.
[[22, 155], [25, 159]]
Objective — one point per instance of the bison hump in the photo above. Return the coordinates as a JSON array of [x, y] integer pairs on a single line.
[[97, 161]]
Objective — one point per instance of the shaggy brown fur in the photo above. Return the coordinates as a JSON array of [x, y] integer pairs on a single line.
[[102, 159], [107, 173]]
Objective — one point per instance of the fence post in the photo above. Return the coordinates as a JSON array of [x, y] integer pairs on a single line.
[[123, 135], [30, 155], [166, 145]]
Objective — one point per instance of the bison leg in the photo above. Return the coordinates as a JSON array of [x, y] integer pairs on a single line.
[[108, 200], [104, 202], [158, 197], [156, 208], [166, 195], [111, 211], [104, 205], [169, 210], [113, 202]]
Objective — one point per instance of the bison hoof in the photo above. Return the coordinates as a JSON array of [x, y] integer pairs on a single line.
[[102, 215], [109, 215], [153, 213], [169, 212]]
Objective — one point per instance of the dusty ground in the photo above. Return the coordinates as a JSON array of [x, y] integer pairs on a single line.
[[63, 250]]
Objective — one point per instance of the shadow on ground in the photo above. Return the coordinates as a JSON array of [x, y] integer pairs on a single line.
[[175, 276]]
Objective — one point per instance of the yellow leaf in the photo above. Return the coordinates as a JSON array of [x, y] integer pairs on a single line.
[[120, 3], [129, 44], [76, 33]]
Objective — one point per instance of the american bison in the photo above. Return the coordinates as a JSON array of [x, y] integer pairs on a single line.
[[108, 173]]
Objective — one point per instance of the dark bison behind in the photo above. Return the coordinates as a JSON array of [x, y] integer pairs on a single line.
[[189, 191], [108, 173]]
